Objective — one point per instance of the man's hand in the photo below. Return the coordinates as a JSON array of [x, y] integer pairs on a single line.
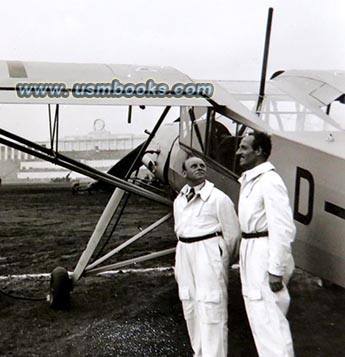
[[276, 282]]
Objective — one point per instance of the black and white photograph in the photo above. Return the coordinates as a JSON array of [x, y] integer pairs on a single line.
[[172, 178]]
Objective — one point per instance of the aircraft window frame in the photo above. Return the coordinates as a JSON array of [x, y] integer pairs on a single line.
[[213, 135], [196, 128], [291, 116]]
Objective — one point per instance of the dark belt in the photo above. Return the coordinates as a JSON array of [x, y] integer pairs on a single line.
[[197, 239], [254, 235]]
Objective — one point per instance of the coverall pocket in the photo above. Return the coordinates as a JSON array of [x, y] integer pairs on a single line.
[[254, 294], [187, 302], [209, 305], [256, 306]]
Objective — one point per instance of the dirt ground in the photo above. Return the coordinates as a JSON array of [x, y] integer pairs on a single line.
[[133, 313]]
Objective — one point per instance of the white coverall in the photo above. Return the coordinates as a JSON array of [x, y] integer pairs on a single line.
[[201, 268], [264, 206]]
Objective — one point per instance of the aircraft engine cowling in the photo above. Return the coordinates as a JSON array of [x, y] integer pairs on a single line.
[[157, 155], [150, 161]]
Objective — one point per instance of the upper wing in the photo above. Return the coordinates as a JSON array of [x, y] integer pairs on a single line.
[[311, 89], [317, 88], [13, 73]]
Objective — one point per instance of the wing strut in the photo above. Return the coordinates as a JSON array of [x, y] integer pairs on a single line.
[[70, 164], [129, 241], [54, 131], [110, 209], [129, 172], [148, 141]]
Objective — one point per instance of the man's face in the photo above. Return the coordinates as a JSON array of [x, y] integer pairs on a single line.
[[195, 171], [248, 157]]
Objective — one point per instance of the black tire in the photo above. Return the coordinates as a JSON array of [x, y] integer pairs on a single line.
[[60, 287]]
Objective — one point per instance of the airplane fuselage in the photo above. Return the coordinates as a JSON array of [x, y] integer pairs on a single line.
[[314, 173]]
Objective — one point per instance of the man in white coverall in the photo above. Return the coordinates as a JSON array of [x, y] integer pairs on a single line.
[[266, 262], [208, 235]]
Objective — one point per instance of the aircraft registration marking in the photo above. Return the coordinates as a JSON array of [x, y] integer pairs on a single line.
[[335, 210]]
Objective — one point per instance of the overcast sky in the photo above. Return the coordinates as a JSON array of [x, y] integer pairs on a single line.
[[219, 39]]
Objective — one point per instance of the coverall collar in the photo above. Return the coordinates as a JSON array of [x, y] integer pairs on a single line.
[[256, 171], [204, 192]]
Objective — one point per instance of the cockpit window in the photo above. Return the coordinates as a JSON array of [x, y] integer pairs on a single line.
[[214, 135]]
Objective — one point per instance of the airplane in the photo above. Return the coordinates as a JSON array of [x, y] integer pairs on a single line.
[[294, 106]]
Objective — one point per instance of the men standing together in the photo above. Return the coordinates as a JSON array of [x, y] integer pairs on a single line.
[[208, 238]]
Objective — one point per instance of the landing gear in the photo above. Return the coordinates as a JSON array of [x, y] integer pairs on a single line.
[[60, 287]]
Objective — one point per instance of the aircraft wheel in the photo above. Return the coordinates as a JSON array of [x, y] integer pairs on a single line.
[[60, 287]]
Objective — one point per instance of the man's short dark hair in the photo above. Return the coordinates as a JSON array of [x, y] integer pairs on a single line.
[[262, 140]]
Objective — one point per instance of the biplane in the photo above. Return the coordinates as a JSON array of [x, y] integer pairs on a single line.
[[294, 106]]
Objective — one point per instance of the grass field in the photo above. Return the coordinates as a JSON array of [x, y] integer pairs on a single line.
[[126, 314]]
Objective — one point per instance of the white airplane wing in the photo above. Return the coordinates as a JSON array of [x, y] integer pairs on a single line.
[[312, 89], [317, 88], [14, 73]]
